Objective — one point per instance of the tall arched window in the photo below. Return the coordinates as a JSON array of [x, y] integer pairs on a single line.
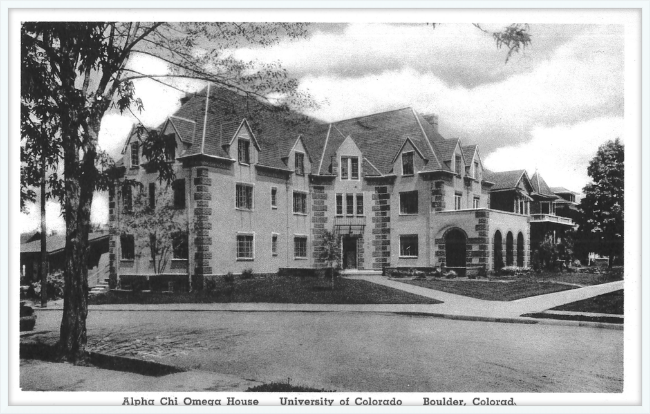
[[509, 249]]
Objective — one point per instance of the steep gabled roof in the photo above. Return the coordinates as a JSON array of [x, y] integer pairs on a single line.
[[208, 121], [185, 128], [540, 186], [380, 137], [468, 152], [505, 180]]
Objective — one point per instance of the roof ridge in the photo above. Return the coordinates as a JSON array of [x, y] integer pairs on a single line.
[[375, 113]]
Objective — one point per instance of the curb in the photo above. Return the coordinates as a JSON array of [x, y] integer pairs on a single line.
[[520, 320]]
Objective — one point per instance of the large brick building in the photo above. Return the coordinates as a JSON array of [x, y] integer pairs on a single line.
[[259, 189]]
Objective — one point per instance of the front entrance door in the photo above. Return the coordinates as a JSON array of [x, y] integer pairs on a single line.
[[349, 252]]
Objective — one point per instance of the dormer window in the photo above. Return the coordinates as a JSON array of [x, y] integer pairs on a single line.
[[243, 151], [349, 168], [407, 163], [135, 154], [458, 164], [300, 163]]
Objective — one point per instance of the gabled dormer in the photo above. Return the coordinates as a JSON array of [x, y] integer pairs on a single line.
[[243, 146], [349, 160], [409, 159], [299, 159]]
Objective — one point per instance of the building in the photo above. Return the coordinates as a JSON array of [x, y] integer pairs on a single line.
[[30, 256], [260, 188]]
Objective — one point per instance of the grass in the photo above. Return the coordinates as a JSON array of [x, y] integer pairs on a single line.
[[284, 387], [584, 279], [274, 289], [611, 303], [497, 291]]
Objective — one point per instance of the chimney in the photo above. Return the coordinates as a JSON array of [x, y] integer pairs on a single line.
[[186, 98], [433, 120]]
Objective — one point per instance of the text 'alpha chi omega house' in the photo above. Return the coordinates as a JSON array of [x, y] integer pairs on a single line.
[[258, 189]]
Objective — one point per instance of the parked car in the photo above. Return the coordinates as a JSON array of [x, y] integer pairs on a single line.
[[27, 317]]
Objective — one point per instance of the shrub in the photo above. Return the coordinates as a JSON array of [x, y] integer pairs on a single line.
[[247, 274], [54, 287], [229, 278], [450, 275], [210, 285], [576, 263]]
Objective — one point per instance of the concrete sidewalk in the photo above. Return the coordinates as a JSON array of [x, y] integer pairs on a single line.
[[38, 375], [453, 306]]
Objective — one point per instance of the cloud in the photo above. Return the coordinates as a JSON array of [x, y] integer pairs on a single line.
[[581, 80], [561, 153], [459, 54]]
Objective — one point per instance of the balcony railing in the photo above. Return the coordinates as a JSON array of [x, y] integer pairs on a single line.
[[550, 218], [349, 225]]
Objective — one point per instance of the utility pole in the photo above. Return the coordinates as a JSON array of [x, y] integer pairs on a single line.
[[43, 237]]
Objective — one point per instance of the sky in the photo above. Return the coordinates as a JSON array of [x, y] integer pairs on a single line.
[[547, 109]]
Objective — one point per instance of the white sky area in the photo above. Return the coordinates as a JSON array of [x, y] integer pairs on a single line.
[[548, 108]]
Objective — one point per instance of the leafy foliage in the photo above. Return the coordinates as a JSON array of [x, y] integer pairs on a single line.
[[74, 73], [154, 228], [601, 225], [331, 253]]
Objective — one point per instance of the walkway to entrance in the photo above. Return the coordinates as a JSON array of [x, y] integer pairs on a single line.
[[463, 305]]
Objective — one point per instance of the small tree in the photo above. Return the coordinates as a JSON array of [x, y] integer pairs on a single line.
[[155, 227], [331, 253]]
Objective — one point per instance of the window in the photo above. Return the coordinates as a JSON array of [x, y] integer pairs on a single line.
[[349, 204], [299, 203], [274, 244], [546, 207], [245, 247], [128, 246], [300, 247], [339, 204], [458, 164], [243, 151], [152, 195], [476, 170], [171, 150], [135, 154], [300, 163], [457, 198], [408, 202], [477, 202], [521, 209], [179, 245], [360, 204], [127, 197], [407, 163], [244, 197], [354, 169], [274, 197], [179, 193], [408, 245], [349, 168]]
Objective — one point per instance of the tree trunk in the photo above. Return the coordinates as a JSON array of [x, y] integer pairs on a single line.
[[43, 238]]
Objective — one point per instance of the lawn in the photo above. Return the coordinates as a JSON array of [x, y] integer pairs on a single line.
[[274, 289], [498, 291], [584, 279], [611, 303]]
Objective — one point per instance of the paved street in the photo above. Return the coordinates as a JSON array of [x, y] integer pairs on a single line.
[[364, 352]]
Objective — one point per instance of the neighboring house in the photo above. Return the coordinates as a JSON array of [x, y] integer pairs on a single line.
[[259, 191], [30, 256]]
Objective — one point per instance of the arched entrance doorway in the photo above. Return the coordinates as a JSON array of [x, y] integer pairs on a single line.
[[509, 249], [455, 247], [498, 250], [520, 250]]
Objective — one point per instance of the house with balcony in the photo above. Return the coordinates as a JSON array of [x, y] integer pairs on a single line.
[[259, 188]]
